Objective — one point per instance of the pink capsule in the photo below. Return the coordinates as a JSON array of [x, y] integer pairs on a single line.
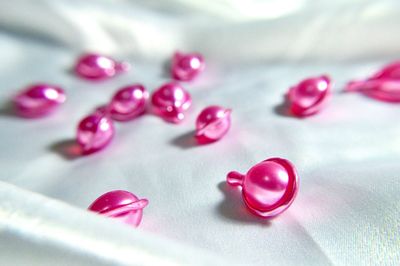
[[128, 102], [268, 188], [309, 96], [121, 205], [387, 90], [95, 66], [390, 71], [186, 67], [171, 101], [383, 85], [95, 132], [38, 100], [212, 124]]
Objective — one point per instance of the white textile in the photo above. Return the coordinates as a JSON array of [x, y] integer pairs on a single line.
[[348, 157]]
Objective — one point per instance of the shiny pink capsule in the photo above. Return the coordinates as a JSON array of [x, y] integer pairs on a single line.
[[95, 67], [95, 132], [121, 205], [212, 124], [309, 96], [38, 100], [383, 85], [128, 102], [268, 188], [171, 101], [186, 67]]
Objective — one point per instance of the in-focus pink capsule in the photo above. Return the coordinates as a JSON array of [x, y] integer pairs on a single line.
[[383, 85], [95, 132], [309, 96], [121, 205], [96, 67], [186, 67], [38, 100], [212, 124], [128, 102], [171, 101], [268, 188]]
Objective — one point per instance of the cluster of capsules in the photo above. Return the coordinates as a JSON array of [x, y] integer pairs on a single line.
[[268, 188], [171, 101], [310, 95]]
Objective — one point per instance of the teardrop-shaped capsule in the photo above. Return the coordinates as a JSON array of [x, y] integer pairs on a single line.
[[309, 96], [387, 90], [121, 205], [390, 71], [95, 132], [383, 85], [128, 102], [186, 67], [212, 124], [96, 67], [38, 100], [268, 188], [171, 101]]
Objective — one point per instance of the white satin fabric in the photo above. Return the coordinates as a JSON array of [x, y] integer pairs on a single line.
[[348, 156]]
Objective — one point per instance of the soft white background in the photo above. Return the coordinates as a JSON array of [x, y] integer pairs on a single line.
[[348, 156]]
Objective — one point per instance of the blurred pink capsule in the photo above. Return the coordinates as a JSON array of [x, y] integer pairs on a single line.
[[390, 71], [309, 96], [95, 67], [383, 85], [95, 132], [128, 102], [387, 90], [212, 124], [38, 100], [186, 67], [171, 101], [268, 188], [121, 205]]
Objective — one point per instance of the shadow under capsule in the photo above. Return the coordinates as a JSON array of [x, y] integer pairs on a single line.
[[283, 108], [8, 110], [166, 69], [190, 140], [233, 207], [185, 141], [68, 149]]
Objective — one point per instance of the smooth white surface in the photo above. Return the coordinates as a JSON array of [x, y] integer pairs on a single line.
[[39, 231], [348, 157]]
